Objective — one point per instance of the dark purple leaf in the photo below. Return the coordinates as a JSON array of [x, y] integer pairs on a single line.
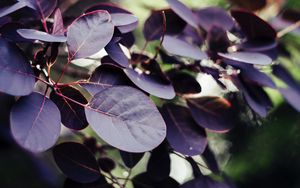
[[39, 35], [206, 182], [247, 57], [253, 75], [144, 180], [129, 114], [214, 16], [184, 12], [124, 22], [10, 9], [184, 83], [191, 34], [253, 26], [85, 30], [131, 159], [105, 76], [58, 24], [283, 74], [154, 25], [151, 84], [43, 7], [159, 164], [106, 164], [76, 162], [100, 183], [35, 122], [210, 160], [250, 4], [179, 47], [72, 114], [212, 113], [255, 96], [16, 75], [127, 39], [116, 53], [169, 59], [292, 96], [109, 7], [183, 134], [217, 39]]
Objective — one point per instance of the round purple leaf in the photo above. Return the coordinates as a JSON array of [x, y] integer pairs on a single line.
[[16, 75], [35, 122], [72, 114], [150, 84], [76, 162], [85, 30], [123, 117], [183, 134], [211, 16], [212, 113]]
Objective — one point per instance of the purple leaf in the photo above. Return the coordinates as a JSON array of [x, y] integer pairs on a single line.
[[109, 7], [43, 7], [179, 47], [210, 160], [159, 164], [283, 74], [10, 9], [253, 26], [250, 4], [131, 159], [16, 75], [206, 182], [76, 162], [184, 83], [214, 16], [247, 57], [184, 12], [212, 113], [35, 122], [253, 75], [58, 24], [154, 25], [39, 35], [72, 114], [183, 134], [217, 40], [151, 84], [255, 96], [124, 22], [129, 114], [292, 97], [85, 30], [6, 103], [128, 39], [191, 34], [105, 76], [116, 53], [106, 164]]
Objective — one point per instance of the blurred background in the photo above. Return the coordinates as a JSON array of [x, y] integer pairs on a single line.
[[255, 154]]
